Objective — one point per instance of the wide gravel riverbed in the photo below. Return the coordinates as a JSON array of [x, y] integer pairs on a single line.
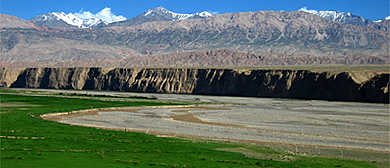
[[350, 125]]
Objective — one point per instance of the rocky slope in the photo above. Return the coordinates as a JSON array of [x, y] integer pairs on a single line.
[[30, 45], [8, 21], [254, 32], [212, 58], [345, 86], [383, 25]]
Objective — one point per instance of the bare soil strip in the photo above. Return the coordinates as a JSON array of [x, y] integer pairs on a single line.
[[16, 104]]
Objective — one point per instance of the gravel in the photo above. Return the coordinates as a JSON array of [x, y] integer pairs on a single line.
[[361, 126]]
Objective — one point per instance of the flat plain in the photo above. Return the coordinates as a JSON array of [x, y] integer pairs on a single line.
[[29, 141], [359, 126]]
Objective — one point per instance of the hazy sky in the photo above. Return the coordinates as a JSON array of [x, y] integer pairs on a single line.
[[121, 9]]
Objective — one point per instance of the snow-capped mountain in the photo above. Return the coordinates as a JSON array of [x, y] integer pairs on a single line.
[[344, 17], [160, 14], [384, 19], [60, 19], [161, 11], [383, 24]]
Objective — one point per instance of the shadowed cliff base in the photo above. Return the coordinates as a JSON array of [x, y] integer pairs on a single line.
[[362, 86]]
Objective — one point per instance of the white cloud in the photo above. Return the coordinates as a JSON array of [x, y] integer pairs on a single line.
[[304, 9], [105, 14]]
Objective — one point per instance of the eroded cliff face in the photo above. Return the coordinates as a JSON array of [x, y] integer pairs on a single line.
[[357, 86]]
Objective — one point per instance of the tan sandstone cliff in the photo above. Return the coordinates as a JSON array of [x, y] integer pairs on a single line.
[[303, 84]]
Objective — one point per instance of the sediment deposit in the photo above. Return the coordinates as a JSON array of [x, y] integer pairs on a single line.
[[314, 123], [304, 84]]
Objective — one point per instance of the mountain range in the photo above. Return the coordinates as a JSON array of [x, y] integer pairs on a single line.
[[60, 19], [160, 37]]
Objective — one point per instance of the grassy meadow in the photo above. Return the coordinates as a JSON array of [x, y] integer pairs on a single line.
[[28, 141]]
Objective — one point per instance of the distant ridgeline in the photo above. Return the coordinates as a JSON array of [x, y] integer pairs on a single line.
[[301, 84]]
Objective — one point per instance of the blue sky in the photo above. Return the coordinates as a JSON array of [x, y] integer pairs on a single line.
[[26, 9]]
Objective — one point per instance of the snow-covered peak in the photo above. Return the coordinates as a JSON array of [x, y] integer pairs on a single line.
[[204, 14], [69, 19], [325, 14], [174, 16], [93, 22], [344, 17], [386, 18]]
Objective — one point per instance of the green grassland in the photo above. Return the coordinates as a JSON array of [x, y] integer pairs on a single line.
[[28, 141]]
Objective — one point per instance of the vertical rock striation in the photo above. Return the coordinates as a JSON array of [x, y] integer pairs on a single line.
[[302, 84]]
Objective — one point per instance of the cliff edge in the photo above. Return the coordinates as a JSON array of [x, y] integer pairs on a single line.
[[301, 84]]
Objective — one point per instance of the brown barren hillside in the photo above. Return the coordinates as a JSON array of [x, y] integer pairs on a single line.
[[213, 58], [8, 21], [256, 32], [233, 39]]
